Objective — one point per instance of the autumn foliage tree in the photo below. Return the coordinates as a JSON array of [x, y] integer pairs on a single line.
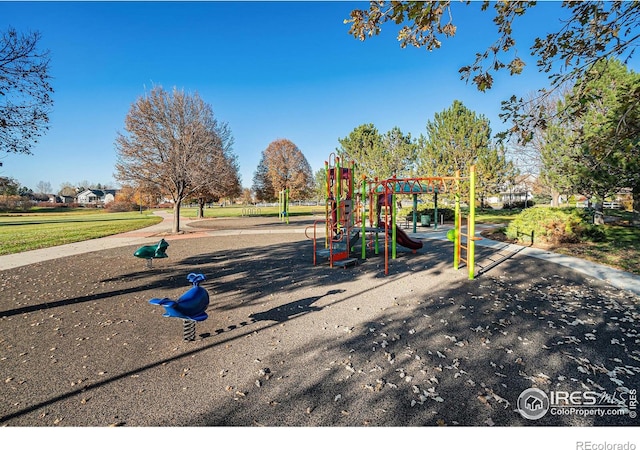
[[170, 142], [282, 166], [130, 198]]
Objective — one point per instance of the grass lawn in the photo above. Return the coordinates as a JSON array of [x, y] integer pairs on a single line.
[[239, 211], [43, 228], [620, 249], [496, 215]]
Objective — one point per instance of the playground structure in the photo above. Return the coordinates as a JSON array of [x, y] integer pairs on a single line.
[[283, 206], [355, 215], [149, 252], [340, 231], [190, 306]]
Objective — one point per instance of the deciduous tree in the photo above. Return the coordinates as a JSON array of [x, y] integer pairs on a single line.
[[67, 189], [596, 153], [218, 176], [492, 169], [282, 166], [25, 92], [262, 184], [169, 138], [320, 184], [593, 31], [43, 187], [247, 197]]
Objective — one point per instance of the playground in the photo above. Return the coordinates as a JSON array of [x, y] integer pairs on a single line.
[[405, 342]]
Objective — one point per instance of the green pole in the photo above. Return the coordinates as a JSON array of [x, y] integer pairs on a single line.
[[327, 193], [415, 212], [471, 225], [286, 205], [435, 210], [456, 239]]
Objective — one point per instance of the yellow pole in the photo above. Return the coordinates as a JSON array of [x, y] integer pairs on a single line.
[[456, 240], [471, 222], [327, 195]]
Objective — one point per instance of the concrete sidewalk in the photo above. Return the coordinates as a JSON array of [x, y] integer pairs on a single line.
[[152, 234], [144, 236], [618, 278]]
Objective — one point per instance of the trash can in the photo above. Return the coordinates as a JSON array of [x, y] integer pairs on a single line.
[[425, 220]]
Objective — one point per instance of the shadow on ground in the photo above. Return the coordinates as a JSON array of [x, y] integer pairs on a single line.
[[290, 344]]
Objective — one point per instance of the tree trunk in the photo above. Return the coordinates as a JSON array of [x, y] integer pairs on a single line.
[[635, 218], [598, 215], [201, 203], [176, 216], [555, 198]]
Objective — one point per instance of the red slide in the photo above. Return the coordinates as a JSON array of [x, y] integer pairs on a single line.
[[403, 239]]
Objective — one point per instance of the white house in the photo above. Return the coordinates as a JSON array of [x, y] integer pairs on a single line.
[[96, 196], [520, 190]]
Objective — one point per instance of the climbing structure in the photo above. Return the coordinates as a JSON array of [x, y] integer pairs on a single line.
[[463, 235], [360, 214], [339, 223]]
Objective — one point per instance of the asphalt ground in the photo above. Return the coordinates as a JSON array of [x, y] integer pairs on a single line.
[[290, 344]]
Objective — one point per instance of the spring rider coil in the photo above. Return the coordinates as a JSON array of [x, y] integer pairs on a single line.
[[149, 252], [190, 307]]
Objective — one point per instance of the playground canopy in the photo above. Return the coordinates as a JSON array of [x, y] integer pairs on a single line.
[[409, 187]]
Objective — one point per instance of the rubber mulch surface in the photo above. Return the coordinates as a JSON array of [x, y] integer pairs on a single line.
[[292, 344]]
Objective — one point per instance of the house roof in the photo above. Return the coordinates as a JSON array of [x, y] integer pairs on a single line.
[[98, 192]]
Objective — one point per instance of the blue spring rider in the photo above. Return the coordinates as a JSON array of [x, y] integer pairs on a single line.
[[191, 305]]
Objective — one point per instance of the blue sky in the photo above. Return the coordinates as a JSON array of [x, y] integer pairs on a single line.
[[269, 69]]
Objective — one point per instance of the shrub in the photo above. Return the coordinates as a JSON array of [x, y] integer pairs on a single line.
[[121, 206], [14, 203], [553, 226]]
